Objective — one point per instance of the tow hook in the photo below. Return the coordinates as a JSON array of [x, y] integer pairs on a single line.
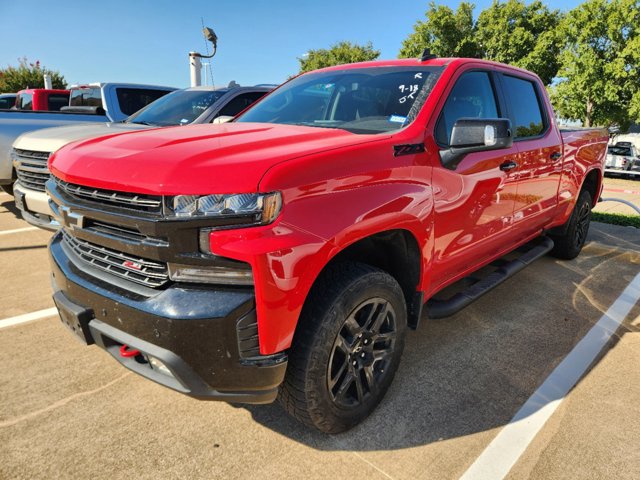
[[126, 352]]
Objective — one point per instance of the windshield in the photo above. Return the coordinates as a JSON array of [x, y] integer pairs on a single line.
[[176, 108], [362, 100], [625, 151]]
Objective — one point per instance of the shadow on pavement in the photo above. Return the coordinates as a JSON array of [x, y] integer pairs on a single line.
[[472, 372], [10, 205]]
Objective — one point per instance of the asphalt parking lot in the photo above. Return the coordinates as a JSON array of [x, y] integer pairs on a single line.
[[70, 411]]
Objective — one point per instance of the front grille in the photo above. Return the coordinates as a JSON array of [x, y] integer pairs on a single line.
[[132, 201], [139, 270], [31, 168]]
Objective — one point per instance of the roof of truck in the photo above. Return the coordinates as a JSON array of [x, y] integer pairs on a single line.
[[416, 62]]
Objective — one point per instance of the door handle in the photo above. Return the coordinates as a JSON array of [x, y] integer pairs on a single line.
[[555, 156], [508, 165]]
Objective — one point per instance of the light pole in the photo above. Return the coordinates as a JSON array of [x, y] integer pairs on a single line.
[[195, 64]]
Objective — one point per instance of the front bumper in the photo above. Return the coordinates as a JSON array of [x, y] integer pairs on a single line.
[[196, 331], [34, 207]]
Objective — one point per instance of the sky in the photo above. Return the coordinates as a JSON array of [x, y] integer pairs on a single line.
[[145, 41]]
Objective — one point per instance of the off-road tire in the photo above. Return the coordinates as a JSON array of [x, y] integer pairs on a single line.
[[569, 245], [344, 293]]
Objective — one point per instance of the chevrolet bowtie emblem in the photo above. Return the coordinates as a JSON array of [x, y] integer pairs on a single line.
[[71, 219]]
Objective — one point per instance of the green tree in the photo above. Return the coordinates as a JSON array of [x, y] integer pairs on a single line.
[[599, 77], [28, 75], [445, 32], [338, 54], [510, 32], [522, 35]]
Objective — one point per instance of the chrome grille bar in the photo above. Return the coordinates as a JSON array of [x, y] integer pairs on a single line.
[[136, 269]]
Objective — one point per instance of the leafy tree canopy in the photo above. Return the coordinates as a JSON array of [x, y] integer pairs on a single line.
[[510, 32], [599, 77], [28, 75], [445, 32], [338, 54]]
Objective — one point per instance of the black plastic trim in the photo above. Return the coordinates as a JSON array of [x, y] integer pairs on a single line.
[[446, 308]]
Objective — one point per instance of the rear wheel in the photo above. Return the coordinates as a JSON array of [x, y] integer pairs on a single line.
[[346, 349], [569, 245]]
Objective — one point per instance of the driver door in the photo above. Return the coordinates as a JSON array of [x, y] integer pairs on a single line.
[[474, 201]]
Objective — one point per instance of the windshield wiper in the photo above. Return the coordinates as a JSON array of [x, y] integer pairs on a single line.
[[146, 123]]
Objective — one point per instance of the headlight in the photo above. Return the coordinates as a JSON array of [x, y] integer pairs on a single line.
[[256, 208], [221, 275]]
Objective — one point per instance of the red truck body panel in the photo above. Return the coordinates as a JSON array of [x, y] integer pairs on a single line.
[[339, 188], [40, 98]]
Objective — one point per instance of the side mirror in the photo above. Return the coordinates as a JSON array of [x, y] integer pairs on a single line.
[[476, 135], [222, 119]]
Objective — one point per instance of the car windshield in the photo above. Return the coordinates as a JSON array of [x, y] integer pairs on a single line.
[[625, 151], [359, 100], [176, 108]]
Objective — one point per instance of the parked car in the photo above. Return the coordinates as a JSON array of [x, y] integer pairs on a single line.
[[284, 254], [42, 99], [621, 156], [7, 101], [189, 106], [95, 102]]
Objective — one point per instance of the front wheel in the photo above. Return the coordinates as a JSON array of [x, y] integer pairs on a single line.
[[346, 349], [569, 245]]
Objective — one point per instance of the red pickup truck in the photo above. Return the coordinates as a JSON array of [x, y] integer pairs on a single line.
[[286, 253], [42, 99]]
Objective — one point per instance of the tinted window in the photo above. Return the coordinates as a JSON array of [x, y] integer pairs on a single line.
[[239, 103], [25, 101], [525, 106], [359, 100], [86, 97], [133, 99], [7, 102], [57, 101], [472, 97], [624, 151], [177, 108]]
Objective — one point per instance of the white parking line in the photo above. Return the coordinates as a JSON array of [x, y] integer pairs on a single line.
[[28, 317], [18, 230], [503, 452]]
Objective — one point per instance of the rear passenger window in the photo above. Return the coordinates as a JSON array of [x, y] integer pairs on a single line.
[[525, 107], [472, 97], [56, 102], [133, 99], [238, 104]]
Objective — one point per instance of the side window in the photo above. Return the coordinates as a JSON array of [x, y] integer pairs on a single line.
[[239, 103], [525, 106], [7, 103], [56, 102], [25, 102], [472, 97], [133, 99]]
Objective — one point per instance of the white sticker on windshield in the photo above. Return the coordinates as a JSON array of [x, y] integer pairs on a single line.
[[397, 119]]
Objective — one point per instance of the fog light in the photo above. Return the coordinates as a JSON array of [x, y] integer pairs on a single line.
[[158, 366]]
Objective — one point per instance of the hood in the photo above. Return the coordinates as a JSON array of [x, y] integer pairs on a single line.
[[194, 159], [51, 139]]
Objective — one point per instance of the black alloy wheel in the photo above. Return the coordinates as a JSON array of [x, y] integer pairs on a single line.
[[362, 353]]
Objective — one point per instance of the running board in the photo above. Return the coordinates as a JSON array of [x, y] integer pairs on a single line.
[[445, 308]]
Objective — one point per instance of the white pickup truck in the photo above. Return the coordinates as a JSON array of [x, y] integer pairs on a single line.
[[94, 102], [189, 106]]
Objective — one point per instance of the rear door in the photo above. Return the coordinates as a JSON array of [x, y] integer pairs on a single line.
[[474, 201], [539, 154]]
